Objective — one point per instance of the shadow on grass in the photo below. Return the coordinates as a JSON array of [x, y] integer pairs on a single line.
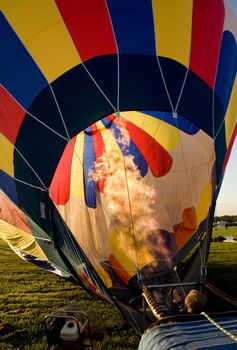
[[223, 278]]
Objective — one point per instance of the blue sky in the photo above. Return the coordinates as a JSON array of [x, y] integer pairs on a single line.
[[227, 199], [233, 5]]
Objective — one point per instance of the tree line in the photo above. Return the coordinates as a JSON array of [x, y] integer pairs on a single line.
[[227, 218]]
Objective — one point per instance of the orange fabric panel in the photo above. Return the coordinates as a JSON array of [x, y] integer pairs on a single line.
[[185, 229], [118, 269], [12, 215]]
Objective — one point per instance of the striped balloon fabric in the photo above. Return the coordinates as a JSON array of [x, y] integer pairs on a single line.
[[117, 119]]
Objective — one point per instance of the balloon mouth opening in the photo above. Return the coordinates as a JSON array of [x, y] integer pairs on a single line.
[[146, 181]]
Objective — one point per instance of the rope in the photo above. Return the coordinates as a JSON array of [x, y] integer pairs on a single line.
[[118, 57], [232, 336]]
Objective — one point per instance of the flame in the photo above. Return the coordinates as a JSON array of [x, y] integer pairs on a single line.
[[129, 202]]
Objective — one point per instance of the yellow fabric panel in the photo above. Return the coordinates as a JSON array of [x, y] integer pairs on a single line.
[[231, 115], [5, 5], [6, 158], [104, 276], [204, 203], [173, 22], [101, 126], [123, 248], [40, 27], [20, 240], [165, 134], [76, 185]]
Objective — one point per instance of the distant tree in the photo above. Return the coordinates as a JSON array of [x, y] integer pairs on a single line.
[[227, 218]]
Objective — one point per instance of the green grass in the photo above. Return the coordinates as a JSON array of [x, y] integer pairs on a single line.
[[221, 231], [28, 294], [222, 267]]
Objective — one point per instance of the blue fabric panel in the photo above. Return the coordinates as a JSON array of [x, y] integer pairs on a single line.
[[196, 103], [226, 73], [81, 104], [140, 89], [49, 250], [80, 100], [19, 73], [30, 200], [220, 146], [89, 163], [42, 148], [183, 124], [133, 26], [43, 264], [107, 82], [224, 83], [195, 335], [7, 185], [141, 84], [174, 78], [132, 149], [48, 112]]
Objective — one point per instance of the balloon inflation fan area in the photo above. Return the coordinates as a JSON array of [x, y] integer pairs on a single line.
[[68, 328]]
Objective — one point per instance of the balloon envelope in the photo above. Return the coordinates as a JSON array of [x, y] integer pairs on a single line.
[[117, 120]]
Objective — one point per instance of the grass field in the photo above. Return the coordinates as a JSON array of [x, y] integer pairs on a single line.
[[222, 268], [28, 294]]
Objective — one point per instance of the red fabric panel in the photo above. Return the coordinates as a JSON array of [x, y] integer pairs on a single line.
[[87, 281], [157, 158], [11, 116], [89, 25], [60, 185], [99, 149], [119, 269], [207, 27]]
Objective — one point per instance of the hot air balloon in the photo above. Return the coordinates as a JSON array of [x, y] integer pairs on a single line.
[[117, 120]]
